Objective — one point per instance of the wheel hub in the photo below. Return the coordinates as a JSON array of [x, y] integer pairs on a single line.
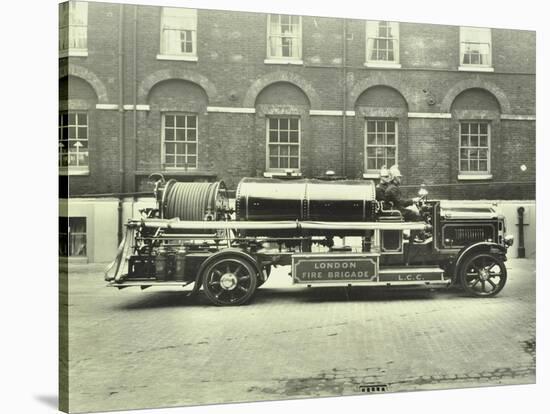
[[228, 281], [484, 274]]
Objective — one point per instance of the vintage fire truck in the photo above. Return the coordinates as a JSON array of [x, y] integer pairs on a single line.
[[193, 237]]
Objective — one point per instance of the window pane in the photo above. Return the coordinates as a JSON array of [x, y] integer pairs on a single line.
[[180, 134], [191, 149], [391, 139], [273, 162], [474, 141], [294, 150], [169, 134], [72, 132], [483, 165], [83, 133], [294, 162], [180, 121], [283, 163], [483, 128], [464, 128], [381, 126], [72, 119], [191, 134], [169, 120], [371, 139], [482, 141], [170, 148], [283, 150], [273, 136], [371, 163], [371, 126], [273, 124], [191, 122], [464, 140], [294, 124], [294, 136], [283, 123], [273, 150], [192, 162], [283, 136], [169, 160], [391, 127], [463, 165]]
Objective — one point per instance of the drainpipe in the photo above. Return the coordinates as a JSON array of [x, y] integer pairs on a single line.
[[120, 113], [344, 94], [135, 97], [521, 239]]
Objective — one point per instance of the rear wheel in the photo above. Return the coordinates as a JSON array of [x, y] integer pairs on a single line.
[[229, 280], [483, 274]]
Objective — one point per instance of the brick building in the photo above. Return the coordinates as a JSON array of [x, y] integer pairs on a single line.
[[210, 95]]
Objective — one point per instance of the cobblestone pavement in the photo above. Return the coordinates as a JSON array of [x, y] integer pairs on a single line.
[[153, 348]]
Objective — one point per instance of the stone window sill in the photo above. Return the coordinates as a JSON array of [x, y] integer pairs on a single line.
[[72, 53], [371, 175], [74, 171], [476, 69], [271, 61], [383, 65], [276, 174], [475, 176], [178, 57]]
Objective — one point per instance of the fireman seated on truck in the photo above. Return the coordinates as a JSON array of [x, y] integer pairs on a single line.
[[392, 194], [383, 184]]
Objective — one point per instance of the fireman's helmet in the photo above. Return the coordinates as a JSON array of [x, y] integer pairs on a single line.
[[384, 173], [394, 172]]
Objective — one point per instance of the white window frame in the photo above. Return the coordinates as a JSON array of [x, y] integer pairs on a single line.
[[295, 171], [69, 235], [376, 171], [370, 27], [185, 142], [467, 174], [188, 24], [73, 27], [279, 59], [73, 169], [467, 33]]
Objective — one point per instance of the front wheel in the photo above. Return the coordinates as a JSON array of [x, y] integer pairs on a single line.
[[229, 281], [483, 274]]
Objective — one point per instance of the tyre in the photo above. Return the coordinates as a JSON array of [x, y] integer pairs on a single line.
[[483, 274], [229, 281]]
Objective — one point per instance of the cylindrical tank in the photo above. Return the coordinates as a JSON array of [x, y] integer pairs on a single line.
[[193, 201], [305, 199]]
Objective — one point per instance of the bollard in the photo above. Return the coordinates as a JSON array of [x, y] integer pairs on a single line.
[[521, 241]]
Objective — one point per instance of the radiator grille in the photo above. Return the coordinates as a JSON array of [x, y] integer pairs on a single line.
[[457, 236]]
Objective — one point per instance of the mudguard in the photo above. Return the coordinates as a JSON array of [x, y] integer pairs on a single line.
[[489, 247]]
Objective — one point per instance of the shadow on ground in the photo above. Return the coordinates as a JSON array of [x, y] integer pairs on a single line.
[[266, 295]]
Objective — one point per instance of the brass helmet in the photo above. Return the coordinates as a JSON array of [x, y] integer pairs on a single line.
[[394, 172]]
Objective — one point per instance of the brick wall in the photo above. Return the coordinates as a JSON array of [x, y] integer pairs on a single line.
[[230, 72]]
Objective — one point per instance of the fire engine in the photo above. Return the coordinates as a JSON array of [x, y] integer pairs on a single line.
[[195, 236]]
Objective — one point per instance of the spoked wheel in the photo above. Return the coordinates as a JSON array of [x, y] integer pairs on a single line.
[[483, 274], [229, 281]]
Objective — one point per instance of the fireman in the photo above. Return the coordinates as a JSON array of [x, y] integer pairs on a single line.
[[393, 195], [383, 184]]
